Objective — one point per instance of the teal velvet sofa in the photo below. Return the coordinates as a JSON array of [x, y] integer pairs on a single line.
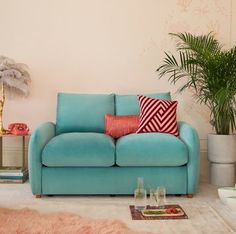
[[74, 156]]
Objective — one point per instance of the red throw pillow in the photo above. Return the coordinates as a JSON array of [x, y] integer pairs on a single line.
[[117, 126], [157, 115]]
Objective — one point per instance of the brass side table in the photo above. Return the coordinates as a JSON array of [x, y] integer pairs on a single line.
[[11, 174]]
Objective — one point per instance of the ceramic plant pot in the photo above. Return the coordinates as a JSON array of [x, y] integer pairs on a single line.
[[221, 148], [222, 155]]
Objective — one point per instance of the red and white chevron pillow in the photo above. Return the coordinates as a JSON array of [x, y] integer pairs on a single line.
[[157, 116]]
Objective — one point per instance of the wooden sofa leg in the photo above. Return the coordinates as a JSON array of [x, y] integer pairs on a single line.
[[38, 195], [189, 195]]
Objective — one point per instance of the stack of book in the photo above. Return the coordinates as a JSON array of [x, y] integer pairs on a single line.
[[13, 174]]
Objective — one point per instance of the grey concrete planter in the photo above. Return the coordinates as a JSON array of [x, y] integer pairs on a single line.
[[222, 155]]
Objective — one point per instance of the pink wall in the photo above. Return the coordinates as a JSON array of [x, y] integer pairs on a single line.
[[103, 46]]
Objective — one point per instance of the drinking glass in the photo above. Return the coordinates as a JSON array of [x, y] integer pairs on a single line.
[[161, 194], [140, 199], [140, 195], [153, 198]]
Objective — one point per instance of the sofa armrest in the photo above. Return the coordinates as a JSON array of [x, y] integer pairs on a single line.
[[39, 138], [190, 137]]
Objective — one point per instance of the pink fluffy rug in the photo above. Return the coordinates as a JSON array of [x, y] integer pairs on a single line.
[[27, 221]]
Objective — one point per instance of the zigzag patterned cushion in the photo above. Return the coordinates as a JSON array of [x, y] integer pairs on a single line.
[[157, 116]]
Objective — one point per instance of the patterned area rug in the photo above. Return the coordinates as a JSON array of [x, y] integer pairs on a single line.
[[202, 219], [26, 221]]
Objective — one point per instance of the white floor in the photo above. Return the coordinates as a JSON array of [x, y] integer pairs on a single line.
[[20, 196]]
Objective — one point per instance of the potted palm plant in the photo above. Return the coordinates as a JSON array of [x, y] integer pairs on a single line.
[[202, 64], [14, 80]]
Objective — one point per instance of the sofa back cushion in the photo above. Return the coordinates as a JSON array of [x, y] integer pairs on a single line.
[[129, 104], [83, 112]]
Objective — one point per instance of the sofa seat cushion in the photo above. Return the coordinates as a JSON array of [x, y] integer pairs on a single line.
[[151, 149], [79, 150]]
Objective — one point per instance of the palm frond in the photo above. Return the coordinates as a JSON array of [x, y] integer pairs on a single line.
[[203, 65], [199, 44]]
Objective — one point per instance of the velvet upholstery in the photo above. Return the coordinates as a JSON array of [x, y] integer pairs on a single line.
[[129, 105], [40, 137], [190, 138], [74, 156], [83, 112], [118, 126], [79, 150], [112, 180], [151, 149]]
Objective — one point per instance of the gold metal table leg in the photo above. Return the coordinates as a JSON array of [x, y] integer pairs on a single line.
[[23, 153], [1, 151]]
